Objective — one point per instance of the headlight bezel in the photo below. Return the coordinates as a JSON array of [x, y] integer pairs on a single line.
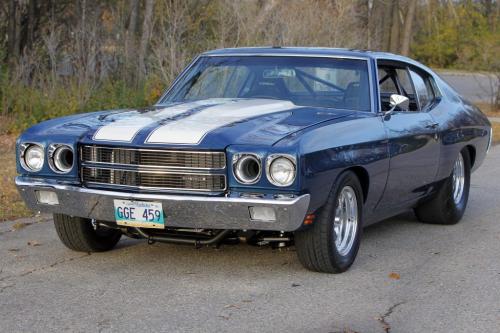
[[237, 167], [273, 158], [54, 158], [24, 151]]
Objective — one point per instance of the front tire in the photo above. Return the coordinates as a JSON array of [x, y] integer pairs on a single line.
[[331, 244], [78, 234], [449, 203]]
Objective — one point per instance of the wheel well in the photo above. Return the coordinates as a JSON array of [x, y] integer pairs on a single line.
[[364, 179], [472, 154]]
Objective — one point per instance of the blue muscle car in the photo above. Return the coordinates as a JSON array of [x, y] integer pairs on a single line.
[[271, 145]]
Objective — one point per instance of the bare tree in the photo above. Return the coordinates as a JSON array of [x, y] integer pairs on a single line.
[[146, 36], [130, 34], [407, 30]]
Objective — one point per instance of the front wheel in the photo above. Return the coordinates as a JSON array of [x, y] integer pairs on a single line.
[[331, 244], [448, 205], [78, 234]]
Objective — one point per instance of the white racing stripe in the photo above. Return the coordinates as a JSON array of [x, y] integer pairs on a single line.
[[128, 124], [192, 129]]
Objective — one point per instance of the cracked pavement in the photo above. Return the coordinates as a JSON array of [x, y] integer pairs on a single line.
[[408, 277]]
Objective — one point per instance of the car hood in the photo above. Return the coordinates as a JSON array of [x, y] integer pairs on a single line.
[[208, 124]]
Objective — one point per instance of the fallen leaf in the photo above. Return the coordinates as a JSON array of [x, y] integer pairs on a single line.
[[19, 225], [394, 276], [33, 243], [247, 301], [13, 250], [231, 306]]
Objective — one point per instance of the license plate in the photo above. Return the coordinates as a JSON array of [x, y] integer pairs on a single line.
[[141, 214]]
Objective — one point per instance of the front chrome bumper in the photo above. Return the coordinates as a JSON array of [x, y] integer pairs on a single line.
[[186, 211]]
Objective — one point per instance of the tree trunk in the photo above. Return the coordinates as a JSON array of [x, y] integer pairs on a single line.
[[395, 27], [146, 36], [130, 38], [32, 18], [12, 53], [386, 24], [376, 38], [407, 31]]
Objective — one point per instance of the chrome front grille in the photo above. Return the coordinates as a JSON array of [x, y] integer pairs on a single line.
[[154, 158], [153, 170], [152, 180]]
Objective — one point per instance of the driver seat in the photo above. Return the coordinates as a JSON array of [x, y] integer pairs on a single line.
[[268, 87]]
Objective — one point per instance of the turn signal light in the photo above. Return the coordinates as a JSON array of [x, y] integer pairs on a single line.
[[309, 219]]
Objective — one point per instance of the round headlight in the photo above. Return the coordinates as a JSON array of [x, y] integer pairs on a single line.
[[62, 159], [247, 168], [33, 157], [281, 170]]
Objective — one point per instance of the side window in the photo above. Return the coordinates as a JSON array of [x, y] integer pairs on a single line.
[[386, 83], [424, 90], [395, 80]]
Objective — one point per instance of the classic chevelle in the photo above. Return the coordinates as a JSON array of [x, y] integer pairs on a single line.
[[272, 145]]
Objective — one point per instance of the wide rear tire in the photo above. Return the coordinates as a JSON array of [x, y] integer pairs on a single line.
[[448, 205], [78, 234], [331, 244]]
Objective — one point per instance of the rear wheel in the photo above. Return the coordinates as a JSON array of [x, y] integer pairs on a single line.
[[449, 203], [331, 244], [79, 234]]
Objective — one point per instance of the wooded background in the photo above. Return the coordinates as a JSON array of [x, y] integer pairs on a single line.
[[59, 57]]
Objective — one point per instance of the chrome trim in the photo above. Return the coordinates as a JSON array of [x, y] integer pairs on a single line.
[[159, 188], [270, 159], [235, 162], [53, 147], [154, 151], [285, 54], [22, 149], [184, 211]]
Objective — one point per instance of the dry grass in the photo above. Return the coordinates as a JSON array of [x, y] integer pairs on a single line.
[[11, 204], [488, 110], [496, 132]]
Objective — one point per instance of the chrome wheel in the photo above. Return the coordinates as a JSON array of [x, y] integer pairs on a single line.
[[458, 179], [345, 223]]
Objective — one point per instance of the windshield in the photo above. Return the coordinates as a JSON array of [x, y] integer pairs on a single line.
[[305, 81]]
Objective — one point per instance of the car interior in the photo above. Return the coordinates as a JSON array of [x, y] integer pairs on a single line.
[[399, 79]]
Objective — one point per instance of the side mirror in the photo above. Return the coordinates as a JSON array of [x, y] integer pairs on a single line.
[[398, 101]]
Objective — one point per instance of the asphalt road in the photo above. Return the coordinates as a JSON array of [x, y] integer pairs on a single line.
[[476, 87], [449, 281]]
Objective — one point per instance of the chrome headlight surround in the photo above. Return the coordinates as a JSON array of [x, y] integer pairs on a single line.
[[292, 160], [61, 158], [26, 153], [247, 168]]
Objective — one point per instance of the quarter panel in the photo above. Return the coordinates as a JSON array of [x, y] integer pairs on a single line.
[[460, 124]]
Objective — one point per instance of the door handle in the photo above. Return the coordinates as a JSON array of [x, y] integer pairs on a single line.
[[432, 125]]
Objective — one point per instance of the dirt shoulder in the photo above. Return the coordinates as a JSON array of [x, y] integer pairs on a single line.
[[11, 204]]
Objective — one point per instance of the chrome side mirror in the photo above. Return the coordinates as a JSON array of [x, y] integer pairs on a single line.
[[398, 101]]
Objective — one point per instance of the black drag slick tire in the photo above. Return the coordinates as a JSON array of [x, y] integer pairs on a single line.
[[442, 208], [316, 246], [78, 234]]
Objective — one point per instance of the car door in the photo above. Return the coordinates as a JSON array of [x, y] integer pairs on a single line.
[[412, 136]]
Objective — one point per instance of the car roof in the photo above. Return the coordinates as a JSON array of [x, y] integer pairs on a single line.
[[305, 51], [314, 51]]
